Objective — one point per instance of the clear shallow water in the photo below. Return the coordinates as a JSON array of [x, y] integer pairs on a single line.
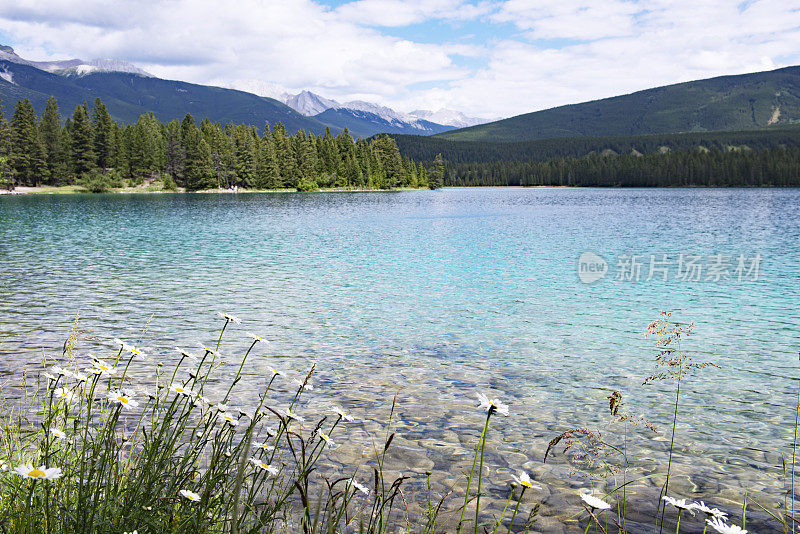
[[440, 294]]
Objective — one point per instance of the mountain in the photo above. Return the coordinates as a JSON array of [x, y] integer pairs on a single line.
[[73, 66], [129, 91], [309, 104], [312, 105], [128, 95], [448, 117], [365, 124], [741, 102]]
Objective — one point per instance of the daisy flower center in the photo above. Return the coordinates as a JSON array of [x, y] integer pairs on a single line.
[[36, 473]]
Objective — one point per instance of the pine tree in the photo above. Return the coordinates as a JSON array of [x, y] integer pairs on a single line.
[[390, 161], [50, 134], [103, 135], [199, 170], [285, 157], [305, 151], [268, 175], [27, 151], [83, 156], [6, 171], [436, 174], [174, 153]]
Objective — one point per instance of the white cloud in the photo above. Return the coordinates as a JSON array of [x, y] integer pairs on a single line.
[[522, 55], [397, 13]]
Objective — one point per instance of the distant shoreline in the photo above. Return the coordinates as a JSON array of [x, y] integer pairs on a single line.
[[76, 189]]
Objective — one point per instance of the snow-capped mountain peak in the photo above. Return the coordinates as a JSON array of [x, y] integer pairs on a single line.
[[449, 117], [74, 66], [309, 103], [383, 112]]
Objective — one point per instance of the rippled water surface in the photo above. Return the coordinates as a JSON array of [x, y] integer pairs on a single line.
[[438, 295]]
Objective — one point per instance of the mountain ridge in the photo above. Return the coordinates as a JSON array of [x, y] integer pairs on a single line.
[[130, 92], [733, 102]]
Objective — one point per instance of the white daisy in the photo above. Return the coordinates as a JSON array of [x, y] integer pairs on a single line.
[[209, 350], [360, 487], [229, 419], [710, 511], [105, 369], [341, 413], [180, 390], [58, 433], [231, 318], [279, 373], [192, 496], [291, 415], [58, 370], [28, 471], [492, 404], [50, 376], [256, 338], [264, 467], [327, 439], [680, 504], [222, 407], [594, 503], [718, 525], [65, 394], [264, 447], [270, 431], [80, 377], [186, 354], [523, 479], [133, 350], [118, 397]]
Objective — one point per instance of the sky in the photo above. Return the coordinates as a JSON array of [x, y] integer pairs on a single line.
[[485, 58]]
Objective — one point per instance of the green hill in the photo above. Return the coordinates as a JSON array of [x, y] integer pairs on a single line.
[[127, 96], [742, 102]]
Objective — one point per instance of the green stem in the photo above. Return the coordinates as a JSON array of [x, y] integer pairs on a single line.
[[469, 479], [671, 448], [220, 334], [29, 504], [480, 472], [678, 526], [516, 509], [794, 443], [500, 521], [589, 523], [239, 372]]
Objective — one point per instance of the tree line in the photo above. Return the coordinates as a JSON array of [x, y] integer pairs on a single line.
[[421, 148], [90, 147], [769, 157], [775, 166]]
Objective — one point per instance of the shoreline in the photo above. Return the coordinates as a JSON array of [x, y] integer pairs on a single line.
[[79, 190]]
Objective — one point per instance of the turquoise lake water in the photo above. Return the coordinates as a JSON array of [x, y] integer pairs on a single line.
[[439, 294]]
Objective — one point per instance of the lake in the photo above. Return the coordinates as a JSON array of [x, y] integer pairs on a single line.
[[439, 295]]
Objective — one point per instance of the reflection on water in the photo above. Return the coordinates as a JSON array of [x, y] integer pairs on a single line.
[[437, 295]]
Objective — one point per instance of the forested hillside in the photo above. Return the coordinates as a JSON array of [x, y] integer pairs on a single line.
[[777, 166], [93, 149], [741, 102], [748, 158]]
